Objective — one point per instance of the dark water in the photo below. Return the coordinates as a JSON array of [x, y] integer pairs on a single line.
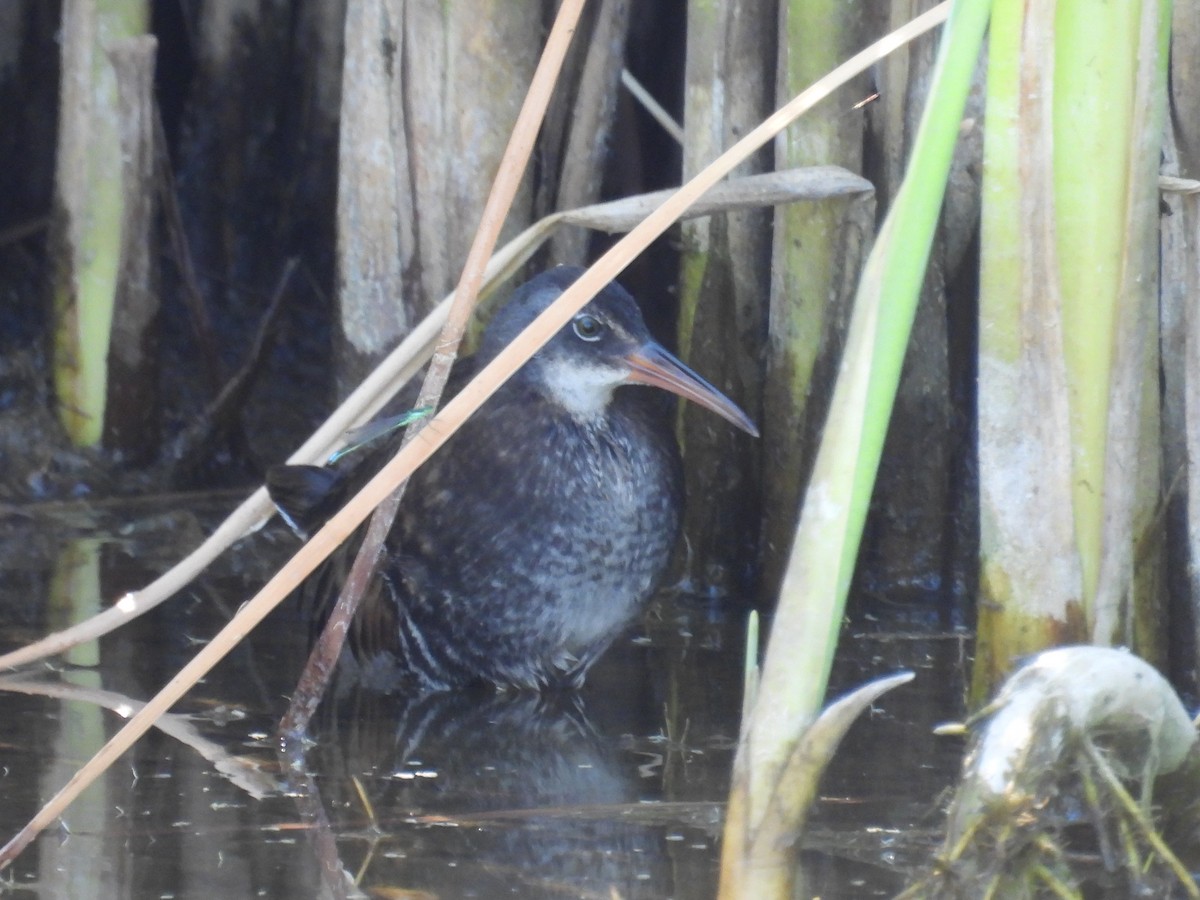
[[616, 792]]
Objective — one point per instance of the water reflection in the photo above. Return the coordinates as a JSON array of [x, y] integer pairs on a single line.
[[615, 792], [468, 795], [486, 794]]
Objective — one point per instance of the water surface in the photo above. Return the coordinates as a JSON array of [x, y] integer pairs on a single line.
[[614, 792]]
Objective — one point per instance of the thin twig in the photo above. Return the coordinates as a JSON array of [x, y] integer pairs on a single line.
[[341, 885], [400, 365], [1054, 884], [406, 360], [221, 412], [23, 230], [324, 656], [652, 106]]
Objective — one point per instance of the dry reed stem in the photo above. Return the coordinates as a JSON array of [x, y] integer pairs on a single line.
[[446, 422], [752, 191], [324, 656], [652, 106]]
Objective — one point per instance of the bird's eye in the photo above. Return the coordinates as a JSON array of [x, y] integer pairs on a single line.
[[587, 328]]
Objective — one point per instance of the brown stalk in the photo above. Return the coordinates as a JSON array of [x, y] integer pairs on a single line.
[[324, 656], [408, 358], [220, 416], [396, 370], [446, 422]]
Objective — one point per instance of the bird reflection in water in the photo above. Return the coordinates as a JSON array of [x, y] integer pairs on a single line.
[[485, 794]]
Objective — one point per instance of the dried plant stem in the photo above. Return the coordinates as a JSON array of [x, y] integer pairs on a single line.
[[652, 106], [324, 656], [816, 182]]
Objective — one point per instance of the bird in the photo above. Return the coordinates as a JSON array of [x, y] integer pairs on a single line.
[[537, 534]]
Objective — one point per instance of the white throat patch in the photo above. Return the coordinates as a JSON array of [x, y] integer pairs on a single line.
[[583, 390]]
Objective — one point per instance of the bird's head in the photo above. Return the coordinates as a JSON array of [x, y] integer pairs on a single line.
[[604, 346]]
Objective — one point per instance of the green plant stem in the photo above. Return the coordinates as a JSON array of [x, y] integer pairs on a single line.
[[1095, 61], [826, 545]]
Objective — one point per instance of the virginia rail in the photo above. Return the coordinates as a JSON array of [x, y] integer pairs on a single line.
[[537, 533]]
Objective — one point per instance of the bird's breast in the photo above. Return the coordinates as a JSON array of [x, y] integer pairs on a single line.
[[548, 527]]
